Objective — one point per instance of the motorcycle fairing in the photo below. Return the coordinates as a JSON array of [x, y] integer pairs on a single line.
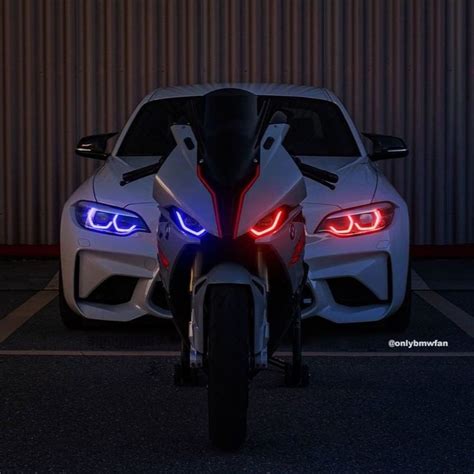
[[277, 172], [271, 266], [177, 185]]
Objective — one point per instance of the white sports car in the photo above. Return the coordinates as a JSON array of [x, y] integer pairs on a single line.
[[357, 242]]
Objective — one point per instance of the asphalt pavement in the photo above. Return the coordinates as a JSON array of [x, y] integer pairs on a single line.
[[102, 400]]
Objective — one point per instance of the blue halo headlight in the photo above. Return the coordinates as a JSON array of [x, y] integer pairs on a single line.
[[187, 223], [108, 219]]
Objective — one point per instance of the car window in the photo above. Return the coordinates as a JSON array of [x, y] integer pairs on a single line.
[[150, 134], [317, 127]]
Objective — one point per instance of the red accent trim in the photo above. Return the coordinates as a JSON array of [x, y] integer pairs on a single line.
[[241, 199], [163, 259], [298, 250], [214, 199], [29, 250]]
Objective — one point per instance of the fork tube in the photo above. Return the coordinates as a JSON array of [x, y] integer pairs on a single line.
[[262, 268], [195, 270]]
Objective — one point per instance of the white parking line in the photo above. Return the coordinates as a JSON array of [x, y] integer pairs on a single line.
[[66, 353], [53, 283], [417, 283], [457, 315], [16, 318]]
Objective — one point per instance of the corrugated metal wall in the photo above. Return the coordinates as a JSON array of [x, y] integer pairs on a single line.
[[71, 67]]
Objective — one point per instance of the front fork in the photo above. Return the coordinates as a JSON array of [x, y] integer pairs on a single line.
[[233, 274], [296, 373]]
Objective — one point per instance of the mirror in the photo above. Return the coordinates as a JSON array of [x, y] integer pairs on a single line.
[[386, 147], [94, 146]]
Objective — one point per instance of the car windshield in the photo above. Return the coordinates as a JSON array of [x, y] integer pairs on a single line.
[[317, 127]]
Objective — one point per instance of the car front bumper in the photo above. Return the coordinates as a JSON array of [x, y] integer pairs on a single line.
[[88, 259], [377, 261]]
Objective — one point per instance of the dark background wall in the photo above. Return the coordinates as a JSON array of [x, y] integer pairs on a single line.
[[71, 67]]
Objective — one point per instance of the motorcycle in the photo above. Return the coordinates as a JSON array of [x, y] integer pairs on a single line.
[[230, 245]]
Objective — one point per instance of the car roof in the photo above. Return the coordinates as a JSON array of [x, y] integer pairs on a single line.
[[290, 90]]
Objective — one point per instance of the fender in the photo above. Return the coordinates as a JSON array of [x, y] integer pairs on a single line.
[[229, 273]]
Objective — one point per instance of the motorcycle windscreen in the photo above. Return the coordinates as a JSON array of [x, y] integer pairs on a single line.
[[229, 131]]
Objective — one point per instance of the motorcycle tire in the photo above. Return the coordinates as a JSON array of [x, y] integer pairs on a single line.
[[228, 364]]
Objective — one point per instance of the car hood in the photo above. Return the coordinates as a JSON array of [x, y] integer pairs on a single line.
[[356, 186], [107, 187]]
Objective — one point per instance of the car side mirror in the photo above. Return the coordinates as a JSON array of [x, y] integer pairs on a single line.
[[94, 146], [386, 147]]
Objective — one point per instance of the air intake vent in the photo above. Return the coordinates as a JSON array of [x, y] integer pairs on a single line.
[[348, 291], [115, 290], [158, 296]]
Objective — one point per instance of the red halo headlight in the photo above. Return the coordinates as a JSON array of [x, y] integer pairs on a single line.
[[358, 220]]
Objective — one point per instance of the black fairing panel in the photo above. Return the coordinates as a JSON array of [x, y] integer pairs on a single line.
[[229, 130], [228, 153]]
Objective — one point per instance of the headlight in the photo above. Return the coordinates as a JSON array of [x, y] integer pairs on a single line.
[[186, 223], [358, 220], [271, 223], [108, 219]]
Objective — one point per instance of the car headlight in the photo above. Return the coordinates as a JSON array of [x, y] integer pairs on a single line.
[[358, 220], [108, 219]]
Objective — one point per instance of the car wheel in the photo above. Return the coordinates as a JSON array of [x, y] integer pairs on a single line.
[[69, 318], [400, 320]]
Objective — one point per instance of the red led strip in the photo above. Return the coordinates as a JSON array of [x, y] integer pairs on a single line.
[[162, 258], [214, 199], [241, 199]]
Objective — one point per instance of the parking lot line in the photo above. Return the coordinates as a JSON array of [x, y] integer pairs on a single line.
[[76, 353], [417, 283], [458, 316], [53, 283], [463, 320], [16, 318]]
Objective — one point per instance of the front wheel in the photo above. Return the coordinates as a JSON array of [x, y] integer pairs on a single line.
[[228, 364]]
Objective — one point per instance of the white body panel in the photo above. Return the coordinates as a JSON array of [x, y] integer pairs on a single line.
[[258, 199], [379, 260], [180, 168]]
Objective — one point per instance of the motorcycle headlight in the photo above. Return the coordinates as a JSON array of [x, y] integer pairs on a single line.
[[271, 223], [108, 219], [187, 223]]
